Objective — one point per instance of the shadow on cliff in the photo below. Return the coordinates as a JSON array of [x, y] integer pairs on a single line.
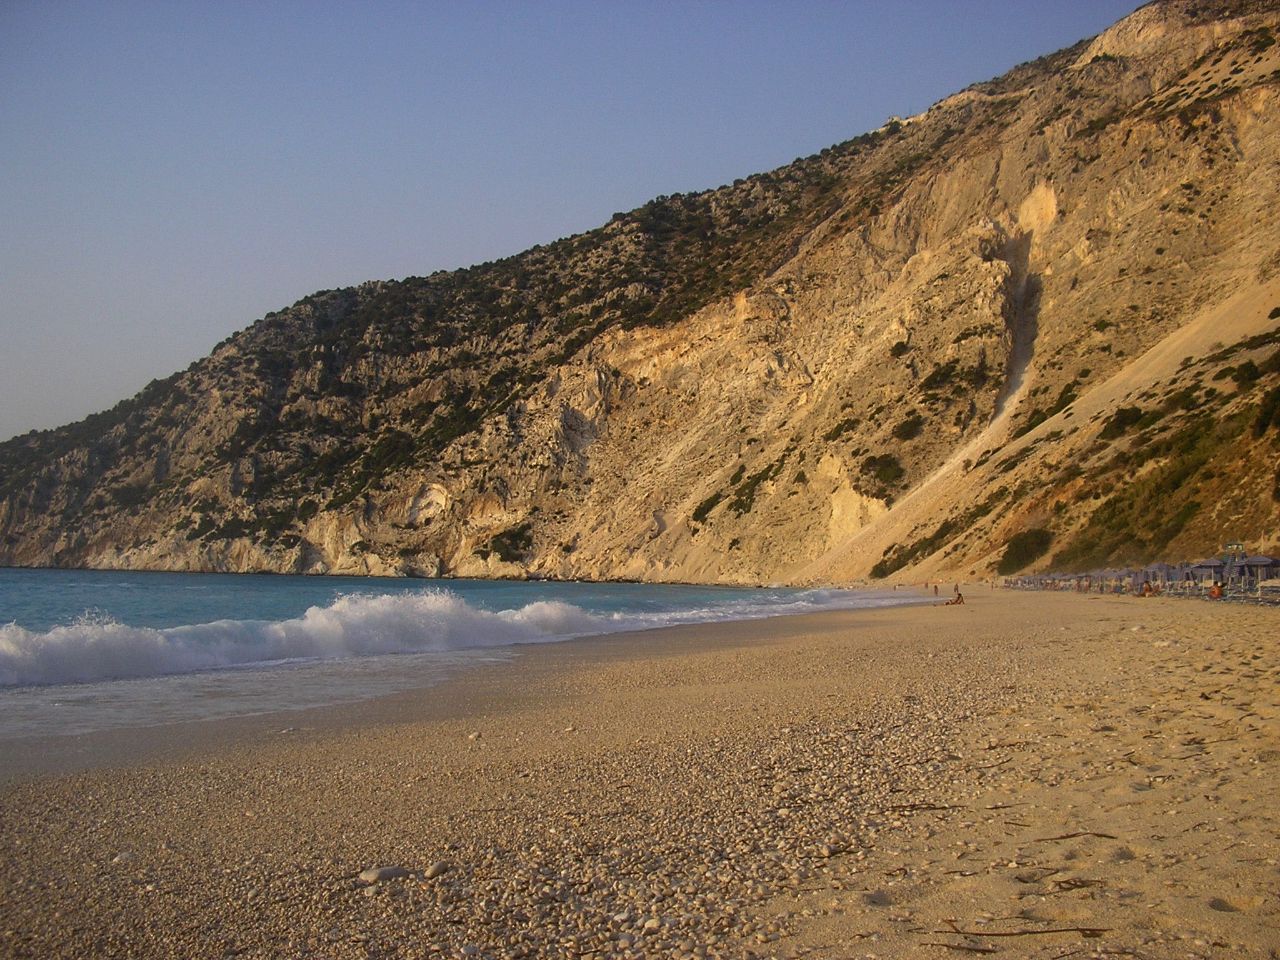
[[1021, 319]]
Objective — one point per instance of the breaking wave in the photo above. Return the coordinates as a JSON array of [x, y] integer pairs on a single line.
[[96, 648]]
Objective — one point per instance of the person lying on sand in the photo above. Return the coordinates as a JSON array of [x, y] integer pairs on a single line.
[[956, 600]]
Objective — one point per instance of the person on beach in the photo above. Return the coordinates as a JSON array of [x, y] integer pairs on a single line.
[[1215, 592], [955, 601]]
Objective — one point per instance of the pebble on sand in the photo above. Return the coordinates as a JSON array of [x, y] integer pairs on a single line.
[[378, 874]]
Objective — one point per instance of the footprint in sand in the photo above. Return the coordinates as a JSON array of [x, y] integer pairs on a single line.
[[1239, 905]]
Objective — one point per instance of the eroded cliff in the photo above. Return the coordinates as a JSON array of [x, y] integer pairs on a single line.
[[1049, 302]]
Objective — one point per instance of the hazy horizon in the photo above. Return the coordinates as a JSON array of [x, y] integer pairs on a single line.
[[176, 171]]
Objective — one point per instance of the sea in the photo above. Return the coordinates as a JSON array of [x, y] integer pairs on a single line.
[[84, 651]]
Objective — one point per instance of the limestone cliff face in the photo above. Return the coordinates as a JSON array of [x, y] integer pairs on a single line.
[[1048, 302]]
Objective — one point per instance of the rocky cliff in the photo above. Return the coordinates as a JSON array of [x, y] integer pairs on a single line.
[[1038, 323]]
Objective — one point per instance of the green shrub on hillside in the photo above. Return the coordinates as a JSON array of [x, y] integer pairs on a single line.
[[895, 558], [884, 468], [744, 496], [841, 428], [1024, 548], [909, 428], [1141, 517], [1268, 413], [1120, 421], [702, 510], [940, 375], [1245, 374]]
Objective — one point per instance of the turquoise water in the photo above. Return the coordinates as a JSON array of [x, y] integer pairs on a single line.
[[42, 599], [83, 650]]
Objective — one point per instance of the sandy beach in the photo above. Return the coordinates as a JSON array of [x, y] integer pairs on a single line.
[[1029, 775]]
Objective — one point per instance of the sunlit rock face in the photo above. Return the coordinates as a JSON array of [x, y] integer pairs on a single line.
[[1048, 302]]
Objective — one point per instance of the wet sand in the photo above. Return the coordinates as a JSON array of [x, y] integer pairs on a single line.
[[1027, 775]]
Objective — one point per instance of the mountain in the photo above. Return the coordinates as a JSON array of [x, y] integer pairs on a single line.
[[1037, 325]]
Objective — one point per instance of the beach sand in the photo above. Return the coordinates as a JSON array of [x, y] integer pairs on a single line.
[[1028, 775]]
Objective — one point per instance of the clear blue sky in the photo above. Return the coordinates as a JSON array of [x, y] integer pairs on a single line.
[[171, 171]]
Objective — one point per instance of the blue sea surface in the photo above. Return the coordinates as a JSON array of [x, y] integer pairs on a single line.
[[84, 650], [43, 599]]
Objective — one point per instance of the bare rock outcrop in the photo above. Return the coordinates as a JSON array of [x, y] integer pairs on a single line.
[[1050, 301]]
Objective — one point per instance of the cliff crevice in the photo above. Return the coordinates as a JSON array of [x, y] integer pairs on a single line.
[[884, 359]]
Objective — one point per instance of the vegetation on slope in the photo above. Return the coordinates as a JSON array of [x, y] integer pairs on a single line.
[[1183, 458], [328, 398], [351, 399]]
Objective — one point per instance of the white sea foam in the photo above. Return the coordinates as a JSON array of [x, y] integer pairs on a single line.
[[99, 648], [94, 648]]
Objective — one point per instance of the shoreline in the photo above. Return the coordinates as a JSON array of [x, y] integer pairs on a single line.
[[25, 758], [126, 742], [889, 781]]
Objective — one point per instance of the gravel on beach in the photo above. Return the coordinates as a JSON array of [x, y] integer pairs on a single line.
[[1027, 775]]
